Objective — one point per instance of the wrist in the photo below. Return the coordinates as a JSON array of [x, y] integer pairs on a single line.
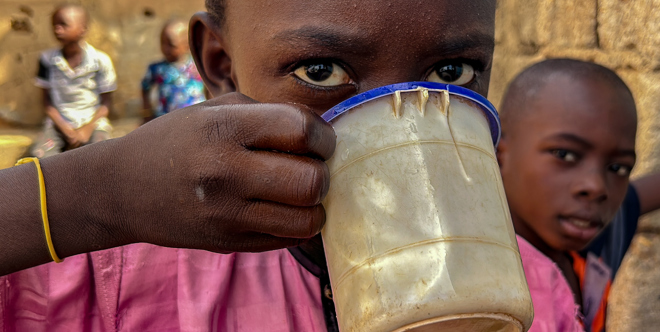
[[67, 130], [89, 127], [81, 201]]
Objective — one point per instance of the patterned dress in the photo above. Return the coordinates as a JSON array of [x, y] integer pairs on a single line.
[[179, 85]]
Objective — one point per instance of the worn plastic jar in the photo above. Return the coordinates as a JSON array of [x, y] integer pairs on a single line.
[[418, 234]]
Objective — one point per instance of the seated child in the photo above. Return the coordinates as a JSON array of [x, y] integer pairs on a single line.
[[310, 55], [566, 154], [77, 81], [176, 78]]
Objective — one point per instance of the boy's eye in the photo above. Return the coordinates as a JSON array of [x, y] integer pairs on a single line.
[[565, 155], [453, 73], [322, 74], [620, 170]]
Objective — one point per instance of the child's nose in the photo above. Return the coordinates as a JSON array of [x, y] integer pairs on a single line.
[[592, 185]]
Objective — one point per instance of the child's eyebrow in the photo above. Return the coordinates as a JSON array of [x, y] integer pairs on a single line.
[[574, 139], [477, 43], [588, 145], [331, 39]]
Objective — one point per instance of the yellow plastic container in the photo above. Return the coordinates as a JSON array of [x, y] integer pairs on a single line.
[[12, 147], [418, 234]]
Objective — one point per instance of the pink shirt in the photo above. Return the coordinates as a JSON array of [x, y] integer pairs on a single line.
[[554, 307], [148, 288]]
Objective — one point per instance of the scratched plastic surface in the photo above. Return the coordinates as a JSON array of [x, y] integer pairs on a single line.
[[418, 234]]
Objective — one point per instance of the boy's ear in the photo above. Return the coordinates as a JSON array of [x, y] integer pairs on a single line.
[[208, 50]]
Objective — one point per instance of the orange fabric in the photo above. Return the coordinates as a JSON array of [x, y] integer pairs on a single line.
[[580, 268]]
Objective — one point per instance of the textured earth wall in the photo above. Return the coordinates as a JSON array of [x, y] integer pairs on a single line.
[[128, 30], [623, 35]]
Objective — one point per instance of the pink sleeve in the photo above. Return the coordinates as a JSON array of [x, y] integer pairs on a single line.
[[554, 307], [79, 294], [141, 287], [3, 303]]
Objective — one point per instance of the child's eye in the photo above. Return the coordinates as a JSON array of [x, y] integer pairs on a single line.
[[322, 74], [456, 73], [565, 155], [621, 170]]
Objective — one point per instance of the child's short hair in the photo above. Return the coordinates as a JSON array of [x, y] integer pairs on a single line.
[[524, 87], [216, 9], [79, 7], [176, 21]]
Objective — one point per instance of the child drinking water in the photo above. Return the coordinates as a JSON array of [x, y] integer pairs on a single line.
[[77, 82], [231, 174], [566, 154], [235, 175], [176, 78]]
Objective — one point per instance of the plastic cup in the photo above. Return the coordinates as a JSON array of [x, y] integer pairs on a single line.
[[418, 235]]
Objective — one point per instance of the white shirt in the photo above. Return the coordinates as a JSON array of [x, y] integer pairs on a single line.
[[75, 93]]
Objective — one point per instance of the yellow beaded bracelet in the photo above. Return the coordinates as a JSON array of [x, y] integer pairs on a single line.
[[44, 211]]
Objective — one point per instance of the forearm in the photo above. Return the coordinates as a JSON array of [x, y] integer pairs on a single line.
[[54, 114], [80, 209], [648, 190], [58, 120], [103, 110], [22, 242]]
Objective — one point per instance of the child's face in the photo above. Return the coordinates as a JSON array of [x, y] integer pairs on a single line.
[[566, 161], [319, 53], [173, 43], [69, 25]]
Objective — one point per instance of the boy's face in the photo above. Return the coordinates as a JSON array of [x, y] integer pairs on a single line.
[[69, 25], [566, 161], [319, 53], [173, 43]]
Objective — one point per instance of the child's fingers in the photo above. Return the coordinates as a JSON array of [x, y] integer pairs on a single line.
[[287, 128], [283, 178], [284, 221], [258, 242]]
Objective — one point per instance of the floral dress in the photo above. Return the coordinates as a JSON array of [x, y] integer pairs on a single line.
[[179, 85]]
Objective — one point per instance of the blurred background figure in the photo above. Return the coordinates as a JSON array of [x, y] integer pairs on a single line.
[[176, 78], [77, 81]]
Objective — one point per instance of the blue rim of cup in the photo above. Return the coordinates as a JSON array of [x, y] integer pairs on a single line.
[[488, 108]]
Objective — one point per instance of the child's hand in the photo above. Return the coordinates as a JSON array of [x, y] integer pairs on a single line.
[[85, 132], [226, 175], [72, 138]]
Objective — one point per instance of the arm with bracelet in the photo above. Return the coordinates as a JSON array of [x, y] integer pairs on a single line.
[[162, 184]]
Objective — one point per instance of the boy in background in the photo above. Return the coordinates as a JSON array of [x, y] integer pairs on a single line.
[[176, 78], [248, 176], [566, 154], [77, 82]]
